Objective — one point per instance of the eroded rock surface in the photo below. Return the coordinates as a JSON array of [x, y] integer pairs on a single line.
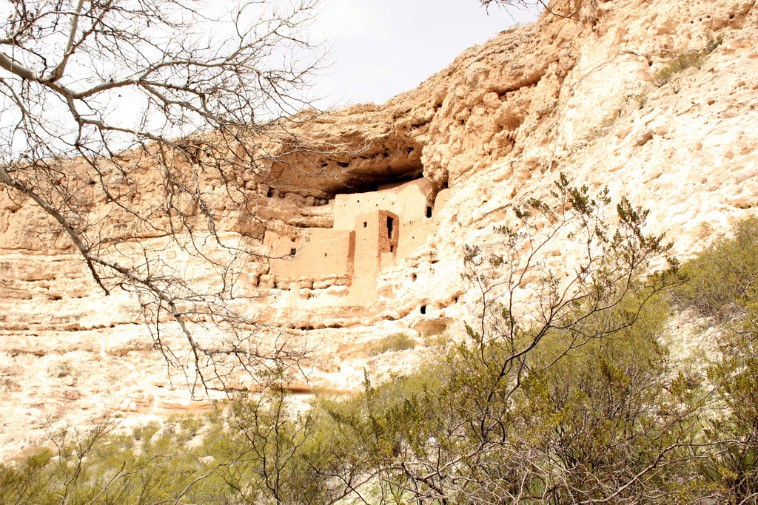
[[412, 181]]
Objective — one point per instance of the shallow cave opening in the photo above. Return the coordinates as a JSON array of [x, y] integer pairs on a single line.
[[354, 163], [393, 159], [366, 185]]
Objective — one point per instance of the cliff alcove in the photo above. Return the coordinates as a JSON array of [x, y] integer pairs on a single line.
[[357, 228]]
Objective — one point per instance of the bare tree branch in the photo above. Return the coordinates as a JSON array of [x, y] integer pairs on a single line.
[[121, 127]]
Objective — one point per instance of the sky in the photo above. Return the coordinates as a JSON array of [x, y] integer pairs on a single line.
[[380, 48]]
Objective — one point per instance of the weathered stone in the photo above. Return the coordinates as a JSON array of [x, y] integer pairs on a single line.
[[494, 128]]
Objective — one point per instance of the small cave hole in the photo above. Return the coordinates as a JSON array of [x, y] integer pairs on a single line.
[[423, 309], [428, 211], [269, 193], [326, 254], [293, 252], [343, 164], [365, 224], [413, 277]]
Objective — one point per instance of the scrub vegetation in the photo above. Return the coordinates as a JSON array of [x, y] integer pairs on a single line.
[[576, 400], [684, 61]]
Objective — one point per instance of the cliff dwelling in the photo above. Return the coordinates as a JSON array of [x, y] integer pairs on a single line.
[[371, 232]]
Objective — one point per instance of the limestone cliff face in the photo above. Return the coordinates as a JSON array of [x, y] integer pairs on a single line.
[[414, 179]]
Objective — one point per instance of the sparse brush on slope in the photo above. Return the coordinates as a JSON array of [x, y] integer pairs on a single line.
[[574, 400]]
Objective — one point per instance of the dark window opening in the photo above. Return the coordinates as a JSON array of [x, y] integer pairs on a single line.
[[390, 225], [428, 211], [293, 252], [423, 309], [392, 248], [365, 224]]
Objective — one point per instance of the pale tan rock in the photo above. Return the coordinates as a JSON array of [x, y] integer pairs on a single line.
[[493, 128]]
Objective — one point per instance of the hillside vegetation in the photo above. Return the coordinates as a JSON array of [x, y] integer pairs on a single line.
[[576, 399]]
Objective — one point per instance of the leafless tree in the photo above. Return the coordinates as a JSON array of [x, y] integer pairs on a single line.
[[567, 9], [135, 125]]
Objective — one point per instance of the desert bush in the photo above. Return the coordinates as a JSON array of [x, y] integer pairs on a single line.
[[721, 281], [684, 61], [722, 286], [26, 480], [574, 400], [394, 342]]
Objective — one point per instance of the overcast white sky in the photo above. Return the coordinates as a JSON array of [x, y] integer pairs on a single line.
[[383, 47]]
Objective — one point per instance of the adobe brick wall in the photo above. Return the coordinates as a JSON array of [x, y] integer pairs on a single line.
[[372, 231]]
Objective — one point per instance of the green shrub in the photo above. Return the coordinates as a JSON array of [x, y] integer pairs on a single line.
[[721, 281], [685, 61], [722, 285], [677, 65], [394, 342], [579, 404]]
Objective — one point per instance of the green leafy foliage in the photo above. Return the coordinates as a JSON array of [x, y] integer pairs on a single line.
[[684, 61], [721, 282], [394, 342], [722, 285], [569, 398]]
